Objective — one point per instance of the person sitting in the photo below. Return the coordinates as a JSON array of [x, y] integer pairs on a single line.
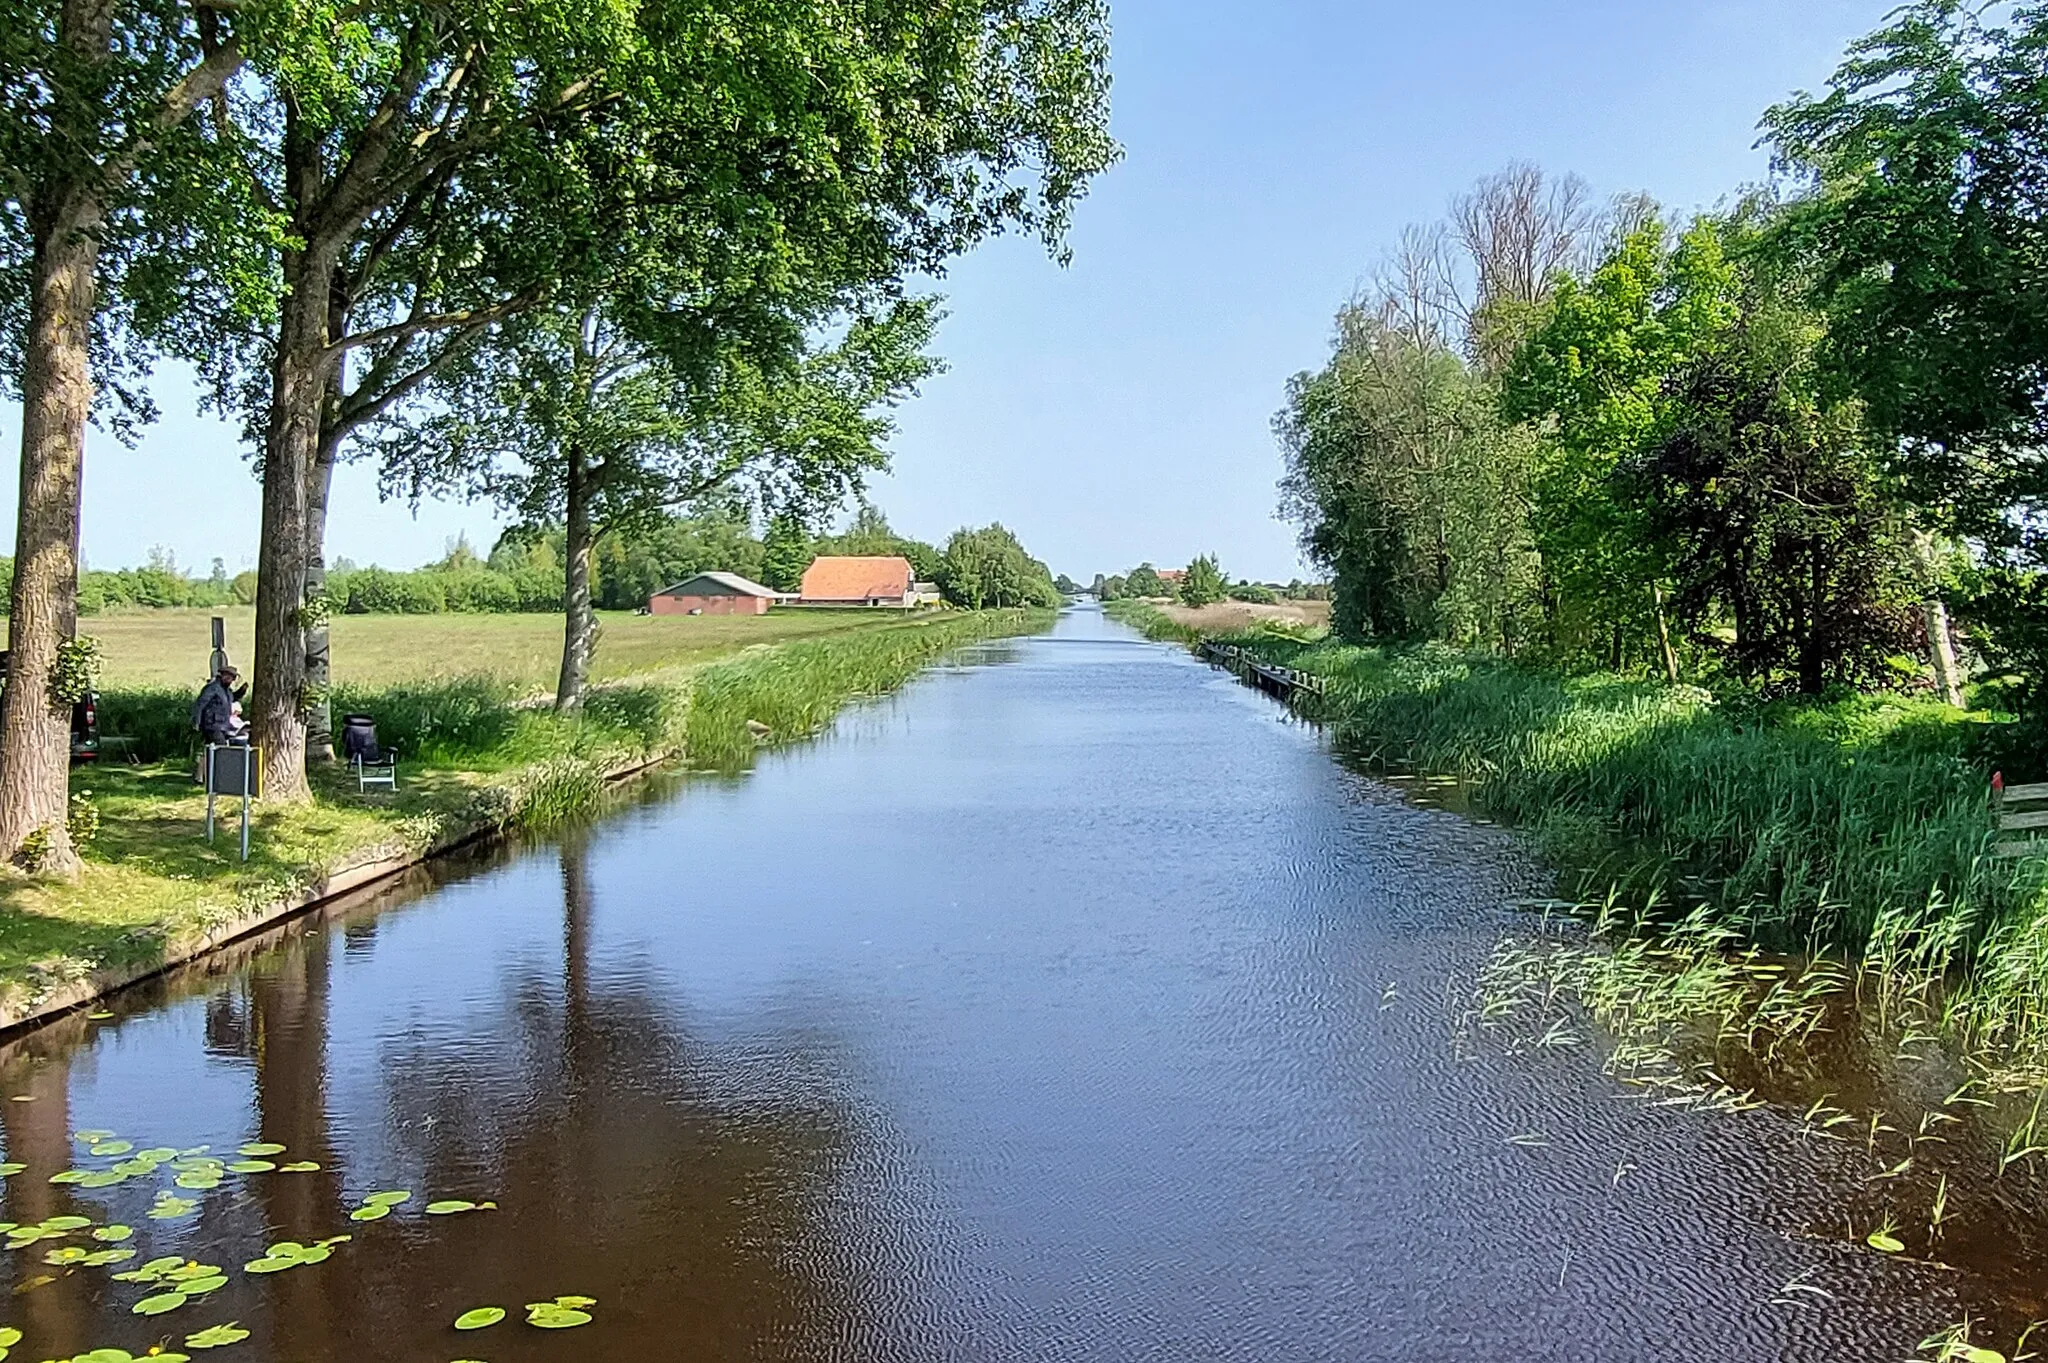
[[214, 713]]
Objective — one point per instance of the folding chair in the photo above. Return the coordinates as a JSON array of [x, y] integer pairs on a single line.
[[373, 763]]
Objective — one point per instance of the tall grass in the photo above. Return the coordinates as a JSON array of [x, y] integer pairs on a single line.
[[795, 690], [1860, 828]]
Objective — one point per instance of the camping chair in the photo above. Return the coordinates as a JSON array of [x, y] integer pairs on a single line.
[[373, 763]]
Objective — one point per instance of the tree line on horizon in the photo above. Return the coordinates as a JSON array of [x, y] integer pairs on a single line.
[[1790, 444], [593, 261]]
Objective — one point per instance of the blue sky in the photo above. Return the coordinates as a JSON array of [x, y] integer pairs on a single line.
[[1119, 409]]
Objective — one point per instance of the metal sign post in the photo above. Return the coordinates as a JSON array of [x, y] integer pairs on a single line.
[[233, 769]]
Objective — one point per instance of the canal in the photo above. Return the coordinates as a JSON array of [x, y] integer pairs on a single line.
[[1073, 1004]]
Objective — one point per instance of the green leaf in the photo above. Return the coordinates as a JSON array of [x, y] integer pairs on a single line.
[[549, 1316], [450, 1207], [261, 1148], [304, 1166], [101, 1258], [9, 1336], [160, 1303], [1883, 1243], [479, 1318], [63, 1224], [216, 1336], [252, 1166], [71, 1176], [9, 1169], [375, 1212], [105, 1148], [387, 1199], [114, 1234]]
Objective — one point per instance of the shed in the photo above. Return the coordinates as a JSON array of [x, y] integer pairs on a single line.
[[714, 594], [836, 581]]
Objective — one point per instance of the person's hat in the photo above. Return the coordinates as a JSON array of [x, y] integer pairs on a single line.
[[227, 670]]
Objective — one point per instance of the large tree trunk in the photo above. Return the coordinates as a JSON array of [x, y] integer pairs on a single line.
[[35, 730], [290, 448], [579, 622], [319, 707]]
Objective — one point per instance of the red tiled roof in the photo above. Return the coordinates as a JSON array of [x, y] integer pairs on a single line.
[[856, 579]]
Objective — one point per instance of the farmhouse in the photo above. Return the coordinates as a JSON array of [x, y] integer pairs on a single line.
[[714, 594], [858, 582]]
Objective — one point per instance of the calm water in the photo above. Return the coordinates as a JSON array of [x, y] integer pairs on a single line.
[[1072, 1005]]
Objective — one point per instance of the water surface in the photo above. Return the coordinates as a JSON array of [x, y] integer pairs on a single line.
[[1072, 1005]]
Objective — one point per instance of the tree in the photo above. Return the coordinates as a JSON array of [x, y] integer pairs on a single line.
[[1144, 581], [1593, 372], [988, 569], [1203, 582], [1921, 227], [577, 419], [1066, 585], [870, 536], [508, 157], [785, 552], [90, 91], [1783, 527]]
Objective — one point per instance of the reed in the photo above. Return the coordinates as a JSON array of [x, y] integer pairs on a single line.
[[1858, 829], [796, 689]]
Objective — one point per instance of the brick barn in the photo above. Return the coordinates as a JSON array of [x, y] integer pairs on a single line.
[[858, 582], [714, 594]]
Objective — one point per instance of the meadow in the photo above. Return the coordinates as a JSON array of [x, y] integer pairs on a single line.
[[168, 648]]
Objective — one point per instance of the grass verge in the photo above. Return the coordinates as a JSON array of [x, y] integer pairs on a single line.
[[477, 757]]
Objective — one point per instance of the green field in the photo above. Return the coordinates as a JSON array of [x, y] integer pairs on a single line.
[[149, 648]]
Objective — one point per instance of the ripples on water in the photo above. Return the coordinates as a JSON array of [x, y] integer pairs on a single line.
[[1074, 1005]]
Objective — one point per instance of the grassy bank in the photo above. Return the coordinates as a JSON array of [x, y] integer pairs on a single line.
[[1858, 829], [477, 756]]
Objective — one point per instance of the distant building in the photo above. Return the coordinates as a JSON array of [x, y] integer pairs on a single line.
[[1173, 575], [714, 594], [858, 582], [926, 594]]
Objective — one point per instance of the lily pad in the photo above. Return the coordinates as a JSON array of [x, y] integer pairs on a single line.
[[100, 1258], [199, 1287], [304, 1166], [215, 1336], [374, 1212], [198, 1182], [252, 1166], [387, 1199], [479, 1318], [69, 1254], [576, 1301], [450, 1207], [107, 1148], [113, 1234], [11, 1168], [66, 1223], [72, 1176], [9, 1336], [169, 1207], [551, 1316], [1884, 1243], [160, 1303], [261, 1148], [105, 1178], [90, 1136]]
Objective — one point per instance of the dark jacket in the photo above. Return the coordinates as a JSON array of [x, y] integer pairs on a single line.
[[214, 714]]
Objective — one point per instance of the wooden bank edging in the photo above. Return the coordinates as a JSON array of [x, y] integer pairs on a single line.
[[356, 870]]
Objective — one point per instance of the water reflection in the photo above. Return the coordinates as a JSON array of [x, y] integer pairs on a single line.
[[1074, 1006]]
